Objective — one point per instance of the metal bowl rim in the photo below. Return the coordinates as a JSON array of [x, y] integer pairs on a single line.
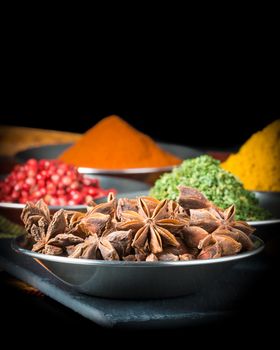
[[264, 222], [85, 170], [277, 193], [103, 263]]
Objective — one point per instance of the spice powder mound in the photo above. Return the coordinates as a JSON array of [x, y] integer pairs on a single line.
[[140, 229], [114, 144], [257, 162]]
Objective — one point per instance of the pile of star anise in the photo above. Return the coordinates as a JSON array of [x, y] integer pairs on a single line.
[[139, 229]]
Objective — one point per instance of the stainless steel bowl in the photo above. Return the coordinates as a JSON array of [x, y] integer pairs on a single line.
[[134, 280], [12, 211], [148, 175], [270, 201]]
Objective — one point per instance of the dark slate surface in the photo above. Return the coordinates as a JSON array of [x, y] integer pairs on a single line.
[[221, 300]]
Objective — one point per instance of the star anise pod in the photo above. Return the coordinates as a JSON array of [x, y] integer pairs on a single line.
[[212, 229], [142, 229], [87, 249], [226, 240], [32, 214], [131, 204], [191, 198], [229, 229], [205, 214], [171, 253], [212, 220], [112, 246], [120, 241], [192, 235], [97, 219], [177, 212], [151, 225], [125, 204], [48, 234], [218, 244]]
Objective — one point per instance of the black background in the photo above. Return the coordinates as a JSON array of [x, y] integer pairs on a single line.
[[210, 113], [219, 126], [220, 74], [211, 101]]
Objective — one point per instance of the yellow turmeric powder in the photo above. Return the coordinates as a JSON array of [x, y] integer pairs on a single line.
[[114, 144], [257, 164]]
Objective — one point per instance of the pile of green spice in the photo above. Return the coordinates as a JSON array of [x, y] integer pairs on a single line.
[[217, 184], [9, 229]]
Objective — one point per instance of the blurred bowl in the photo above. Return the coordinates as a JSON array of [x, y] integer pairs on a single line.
[[137, 279], [12, 211], [148, 175], [268, 229], [270, 201]]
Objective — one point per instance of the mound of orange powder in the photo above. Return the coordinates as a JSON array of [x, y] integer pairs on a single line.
[[114, 144]]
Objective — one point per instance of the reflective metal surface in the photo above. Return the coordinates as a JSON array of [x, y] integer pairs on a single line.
[[271, 202], [131, 280]]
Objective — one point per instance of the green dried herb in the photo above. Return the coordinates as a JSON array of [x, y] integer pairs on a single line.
[[218, 185], [9, 229]]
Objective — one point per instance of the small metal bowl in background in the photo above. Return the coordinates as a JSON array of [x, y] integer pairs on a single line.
[[12, 211], [137, 280], [270, 201], [148, 175], [268, 229]]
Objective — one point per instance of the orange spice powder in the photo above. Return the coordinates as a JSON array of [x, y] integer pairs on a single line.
[[114, 144]]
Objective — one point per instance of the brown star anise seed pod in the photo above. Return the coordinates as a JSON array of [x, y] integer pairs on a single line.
[[151, 226], [191, 198], [126, 204], [47, 233], [227, 236], [142, 229], [177, 212], [53, 241], [39, 209], [98, 218], [217, 246], [192, 235], [88, 249]]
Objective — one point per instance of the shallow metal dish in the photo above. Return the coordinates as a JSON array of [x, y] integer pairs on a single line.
[[271, 202], [134, 280], [148, 175], [12, 211]]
